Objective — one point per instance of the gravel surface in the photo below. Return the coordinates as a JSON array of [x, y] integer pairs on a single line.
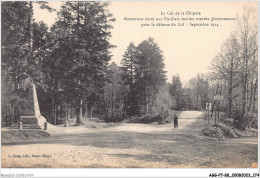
[[123, 145]]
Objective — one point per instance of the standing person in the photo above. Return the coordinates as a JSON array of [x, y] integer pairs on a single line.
[[175, 120], [162, 113]]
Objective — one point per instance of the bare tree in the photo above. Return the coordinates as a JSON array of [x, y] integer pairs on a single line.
[[236, 63], [226, 66], [248, 52]]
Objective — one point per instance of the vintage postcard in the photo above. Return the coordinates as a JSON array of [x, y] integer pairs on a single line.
[[96, 84]]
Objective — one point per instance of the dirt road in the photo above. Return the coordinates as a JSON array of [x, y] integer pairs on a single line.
[[133, 145]]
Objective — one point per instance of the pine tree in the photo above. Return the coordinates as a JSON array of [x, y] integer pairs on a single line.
[[149, 74], [81, 49], [19, 60], [176, 92], [128, 67], [114, 92], [15, 47], [32, 60]]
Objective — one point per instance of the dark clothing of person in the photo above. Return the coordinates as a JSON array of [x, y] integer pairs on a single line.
[[176, 122]]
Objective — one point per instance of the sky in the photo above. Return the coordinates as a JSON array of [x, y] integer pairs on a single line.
[[187, 50]]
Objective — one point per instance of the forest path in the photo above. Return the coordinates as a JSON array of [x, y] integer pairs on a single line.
[[124, 145]]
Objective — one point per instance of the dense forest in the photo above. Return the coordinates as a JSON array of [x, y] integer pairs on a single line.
[[67, 62], [70, 65]]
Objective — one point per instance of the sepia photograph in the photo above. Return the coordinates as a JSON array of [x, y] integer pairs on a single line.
[[98, 84]]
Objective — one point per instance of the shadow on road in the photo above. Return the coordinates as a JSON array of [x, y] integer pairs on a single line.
[[166, 144]]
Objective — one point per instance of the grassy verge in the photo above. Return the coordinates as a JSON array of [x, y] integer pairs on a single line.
[[9, 136]]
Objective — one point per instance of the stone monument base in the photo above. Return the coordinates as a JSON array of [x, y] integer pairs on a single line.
[[32, 122], [31, 117]]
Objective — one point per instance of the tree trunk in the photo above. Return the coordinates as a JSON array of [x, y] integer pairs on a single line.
[[31, 26], [67, 112], [245, 71], [214, 103], [86, 111], [132, 78], [80, 109], [230, 89], [121, 106], [254, 98], [53, 111], [57, 113], [91, 110], [79, 113], [112, 107]]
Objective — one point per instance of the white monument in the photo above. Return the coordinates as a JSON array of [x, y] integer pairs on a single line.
[[31, 117]]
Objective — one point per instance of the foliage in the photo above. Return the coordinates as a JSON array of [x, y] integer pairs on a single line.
[[199, 93], [235, 68], [16, 65], [143, 71], [67, 63], [176, 92], [115, 93], [163, 99]]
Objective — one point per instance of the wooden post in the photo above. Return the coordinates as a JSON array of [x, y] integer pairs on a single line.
[[80, 109], [66, 123], [86, 111], [20, 125], [208, 113], [215, 116], [162, 110], [218, 109], [45, 126], [91, 112]]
